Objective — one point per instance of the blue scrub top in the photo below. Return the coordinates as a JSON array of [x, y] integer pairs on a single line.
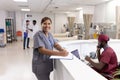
[[41, 62]]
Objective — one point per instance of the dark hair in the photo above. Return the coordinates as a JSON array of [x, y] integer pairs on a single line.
[[45, 18], [27, 21], [34, 21]]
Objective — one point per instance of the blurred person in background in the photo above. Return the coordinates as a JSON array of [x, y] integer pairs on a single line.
[[27, 33], [36, 28]]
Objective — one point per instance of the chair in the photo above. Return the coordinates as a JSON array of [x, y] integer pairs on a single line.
[[19, 34], [115, 76], [117, 73]]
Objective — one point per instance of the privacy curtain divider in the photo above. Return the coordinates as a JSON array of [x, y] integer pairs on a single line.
[[71, 24], [87, 22]]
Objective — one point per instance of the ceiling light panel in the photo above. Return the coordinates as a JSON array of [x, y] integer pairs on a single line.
[[21, 0], [80, 8], [25, 9]]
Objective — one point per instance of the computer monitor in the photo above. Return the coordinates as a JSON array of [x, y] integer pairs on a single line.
[[76, 53]]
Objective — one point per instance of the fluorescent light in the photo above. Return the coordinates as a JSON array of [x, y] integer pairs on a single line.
[[79, 8], [106, 0], [67, 12], [25, 9], [21, 0]]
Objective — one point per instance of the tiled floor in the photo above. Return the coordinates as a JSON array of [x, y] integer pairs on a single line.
[[15, 63]]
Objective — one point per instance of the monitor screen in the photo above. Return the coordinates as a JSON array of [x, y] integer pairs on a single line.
[[76, 53]]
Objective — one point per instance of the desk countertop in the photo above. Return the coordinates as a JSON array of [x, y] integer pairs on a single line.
[[79, 70]]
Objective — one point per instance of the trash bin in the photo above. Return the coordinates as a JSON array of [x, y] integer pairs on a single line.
[[2, 42]]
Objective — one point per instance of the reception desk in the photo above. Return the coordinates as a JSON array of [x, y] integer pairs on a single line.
[[75, 69]]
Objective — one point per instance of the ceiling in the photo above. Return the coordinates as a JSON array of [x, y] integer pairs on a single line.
[[47, 5]]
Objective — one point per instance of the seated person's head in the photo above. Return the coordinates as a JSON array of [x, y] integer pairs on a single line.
[[102, 40]]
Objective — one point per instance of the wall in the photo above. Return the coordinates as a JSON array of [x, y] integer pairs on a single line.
[[79, 13], [21, 17], [57, 20], [3, 15], [106, 12], [99, 14], [88, 10], [18, 21], [2, 19], [60, 20]]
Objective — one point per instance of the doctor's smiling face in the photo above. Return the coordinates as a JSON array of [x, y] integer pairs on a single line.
[[46, 24]]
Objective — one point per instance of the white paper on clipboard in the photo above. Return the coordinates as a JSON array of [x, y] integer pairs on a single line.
[[69, 57]]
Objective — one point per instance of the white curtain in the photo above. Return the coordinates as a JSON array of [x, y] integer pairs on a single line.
[[71, 21], [87, 22], [71, 24], [118, 22]]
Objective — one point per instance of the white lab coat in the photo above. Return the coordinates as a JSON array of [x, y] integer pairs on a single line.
[[97, 29], [36, 28], [29, 32]]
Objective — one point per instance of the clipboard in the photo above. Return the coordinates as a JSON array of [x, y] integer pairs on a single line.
[[69, 57]]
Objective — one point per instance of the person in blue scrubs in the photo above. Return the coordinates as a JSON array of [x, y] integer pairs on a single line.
[[44, 43]]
